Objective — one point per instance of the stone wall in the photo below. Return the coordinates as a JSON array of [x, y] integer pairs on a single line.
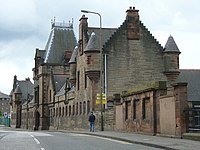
[[133, 62]]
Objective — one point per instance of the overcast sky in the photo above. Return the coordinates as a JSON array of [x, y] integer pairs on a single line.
[[25, 25]]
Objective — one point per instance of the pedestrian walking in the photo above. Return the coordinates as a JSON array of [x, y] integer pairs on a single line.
[[91, 120]]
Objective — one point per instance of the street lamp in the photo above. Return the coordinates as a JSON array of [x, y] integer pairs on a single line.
[[101, 65]]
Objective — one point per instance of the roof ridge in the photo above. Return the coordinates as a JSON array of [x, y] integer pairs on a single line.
[[122, 26], [150, 34]]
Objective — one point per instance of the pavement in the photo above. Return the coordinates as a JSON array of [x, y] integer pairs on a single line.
[[160, 142]]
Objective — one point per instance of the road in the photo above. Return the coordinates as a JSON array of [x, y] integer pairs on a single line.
[[27, 140]]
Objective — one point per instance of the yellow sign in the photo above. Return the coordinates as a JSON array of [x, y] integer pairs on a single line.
[[101, 98]]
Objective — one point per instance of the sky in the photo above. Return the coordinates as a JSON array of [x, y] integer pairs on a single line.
[[26, 24]]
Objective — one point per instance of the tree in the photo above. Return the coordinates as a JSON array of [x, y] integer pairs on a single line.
[[0, 114]]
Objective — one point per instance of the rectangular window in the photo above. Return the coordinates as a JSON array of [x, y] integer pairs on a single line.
[[146, 108], [84, 107], [127, 110], [76, 108], [63, 111], [66, 111], [88, 107], [135, 107], [78, 80], [88, 59], [59, 111], [73, 110], [70, 109], [80, 108], [85, 81]]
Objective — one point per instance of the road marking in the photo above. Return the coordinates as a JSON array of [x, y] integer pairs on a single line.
[[74, 134], [113, 140], [42, 149], [32, 136], [36, 140], [104, 138]]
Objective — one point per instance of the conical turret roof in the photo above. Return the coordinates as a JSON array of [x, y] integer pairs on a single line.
[[92, 43], [171, 46], [18, 90], [74, 55]]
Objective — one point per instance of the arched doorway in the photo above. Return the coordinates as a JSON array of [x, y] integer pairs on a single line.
[[37, 120]]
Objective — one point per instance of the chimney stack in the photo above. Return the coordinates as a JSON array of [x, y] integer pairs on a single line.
[[83, 29], [133, 30]]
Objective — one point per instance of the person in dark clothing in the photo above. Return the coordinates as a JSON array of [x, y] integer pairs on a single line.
[[91, 120]]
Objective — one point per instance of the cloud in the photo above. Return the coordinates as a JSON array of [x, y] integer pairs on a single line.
[[17, 15], [26, 24]]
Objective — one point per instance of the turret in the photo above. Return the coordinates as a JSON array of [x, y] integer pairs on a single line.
[[171, 59], [72, 66], [92, 56], [17, 95]]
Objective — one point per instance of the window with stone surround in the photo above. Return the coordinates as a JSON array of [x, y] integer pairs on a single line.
[[70, 110], [56, 112], [88, 107], [127, 110], [84, 107], [80, 108], [78, 80], [59, 111], [89, 59], [73, 110], [66, 110], [135, 108], [85, 81], [63, 111], [146, 107], [76, 108]]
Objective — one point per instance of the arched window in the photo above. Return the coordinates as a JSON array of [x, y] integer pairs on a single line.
[[70, 110], [63, 111], [88, 107], [73, 111], [59, 111], [66, 111], [84, 107], [56, 112], [76, 108], [80, 108]]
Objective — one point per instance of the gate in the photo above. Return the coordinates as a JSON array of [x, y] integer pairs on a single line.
[[194, 120], [5, 121]]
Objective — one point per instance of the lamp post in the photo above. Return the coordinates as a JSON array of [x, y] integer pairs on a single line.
[[101, 65]]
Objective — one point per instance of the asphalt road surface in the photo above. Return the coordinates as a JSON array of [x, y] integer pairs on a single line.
[[27, 140]]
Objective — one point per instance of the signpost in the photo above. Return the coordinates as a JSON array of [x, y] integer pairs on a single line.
[[99, 100]]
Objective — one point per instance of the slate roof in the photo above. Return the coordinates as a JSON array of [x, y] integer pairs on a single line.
[[106, 34], [60, 39], [171, 46], [62, 90], [59, 81], [74, 55], [24, 87], [192, 77], [92, 43], [2, 95]]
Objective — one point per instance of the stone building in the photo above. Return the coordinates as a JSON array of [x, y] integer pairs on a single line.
[[22, 92], [51, 71], [144, 88], [4, 104]]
